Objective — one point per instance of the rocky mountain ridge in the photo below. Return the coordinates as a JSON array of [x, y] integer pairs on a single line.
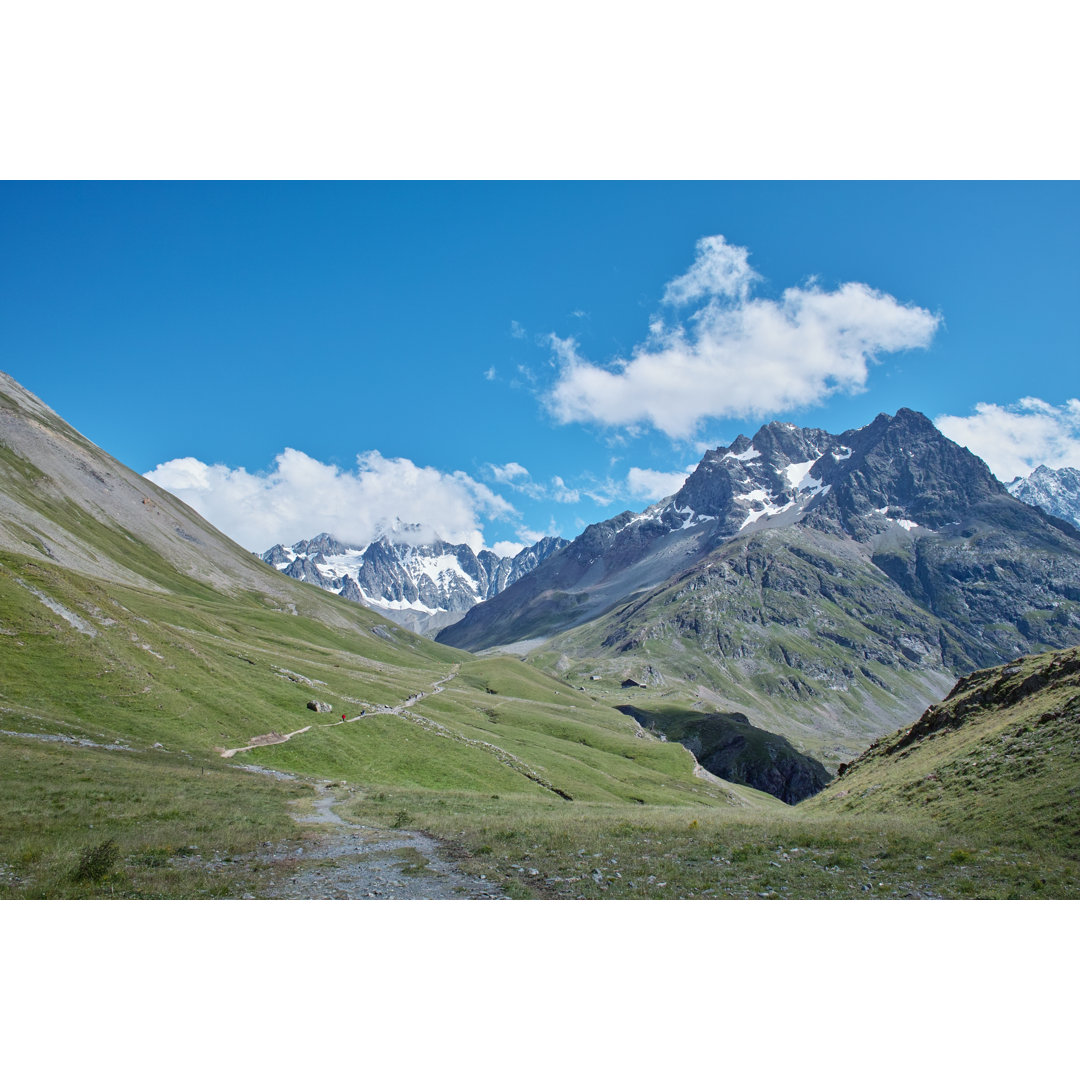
[[897, 477], [424, 587]]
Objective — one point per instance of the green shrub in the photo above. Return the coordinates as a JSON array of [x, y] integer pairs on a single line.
[[96, 862]]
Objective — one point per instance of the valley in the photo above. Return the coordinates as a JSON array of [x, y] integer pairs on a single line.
[[157, 740]]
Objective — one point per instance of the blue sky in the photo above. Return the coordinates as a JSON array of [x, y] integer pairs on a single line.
[[479, 356]]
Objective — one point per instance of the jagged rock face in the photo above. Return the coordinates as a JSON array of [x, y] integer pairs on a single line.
[[899, 469], [305, 569], [418, 584], [1057, 491], [323, 544], [382, 575]]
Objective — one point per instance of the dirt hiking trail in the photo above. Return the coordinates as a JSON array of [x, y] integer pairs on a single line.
[[341, 861], [358, 862]]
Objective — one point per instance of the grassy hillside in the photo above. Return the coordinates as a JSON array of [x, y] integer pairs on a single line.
[[114, 698], [475, 763], [1000, 757]]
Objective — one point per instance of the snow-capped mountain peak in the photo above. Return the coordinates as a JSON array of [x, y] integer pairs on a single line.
[[423, 586], [1057, 491]]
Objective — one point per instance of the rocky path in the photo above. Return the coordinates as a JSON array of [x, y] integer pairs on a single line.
[[358, 862]]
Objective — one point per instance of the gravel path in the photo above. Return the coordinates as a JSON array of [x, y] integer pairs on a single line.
[[358, 862]]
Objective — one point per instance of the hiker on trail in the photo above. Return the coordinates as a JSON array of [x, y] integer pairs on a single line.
[[343, 718]]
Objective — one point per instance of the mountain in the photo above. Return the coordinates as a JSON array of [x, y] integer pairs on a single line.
[[1057, 491], [998, 755], [827, 586], [424, 587]]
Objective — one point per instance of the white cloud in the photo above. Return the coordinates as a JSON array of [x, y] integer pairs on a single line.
[[300, 497], [510, 473], [531, 536], [652, 484], [490, 374], [508, 548], [1014, 439], [561, 493], [720, 269], [734, 355], [516, 476], [516, 329]]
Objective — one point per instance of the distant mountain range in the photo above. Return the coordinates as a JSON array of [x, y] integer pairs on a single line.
[[826, 586], [1057, 491], [423, 587]]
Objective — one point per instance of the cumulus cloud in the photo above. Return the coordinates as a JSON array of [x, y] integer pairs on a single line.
[[300, 497], [731, 354], [652, 484], [1015, 439]]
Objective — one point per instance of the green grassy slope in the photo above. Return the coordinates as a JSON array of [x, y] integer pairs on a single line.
[[469, 764], [170, 679], [1000, 757]]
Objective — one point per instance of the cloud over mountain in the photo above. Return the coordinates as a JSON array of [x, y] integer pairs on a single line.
[[301, 495], [724, 352], [1014, 439]]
